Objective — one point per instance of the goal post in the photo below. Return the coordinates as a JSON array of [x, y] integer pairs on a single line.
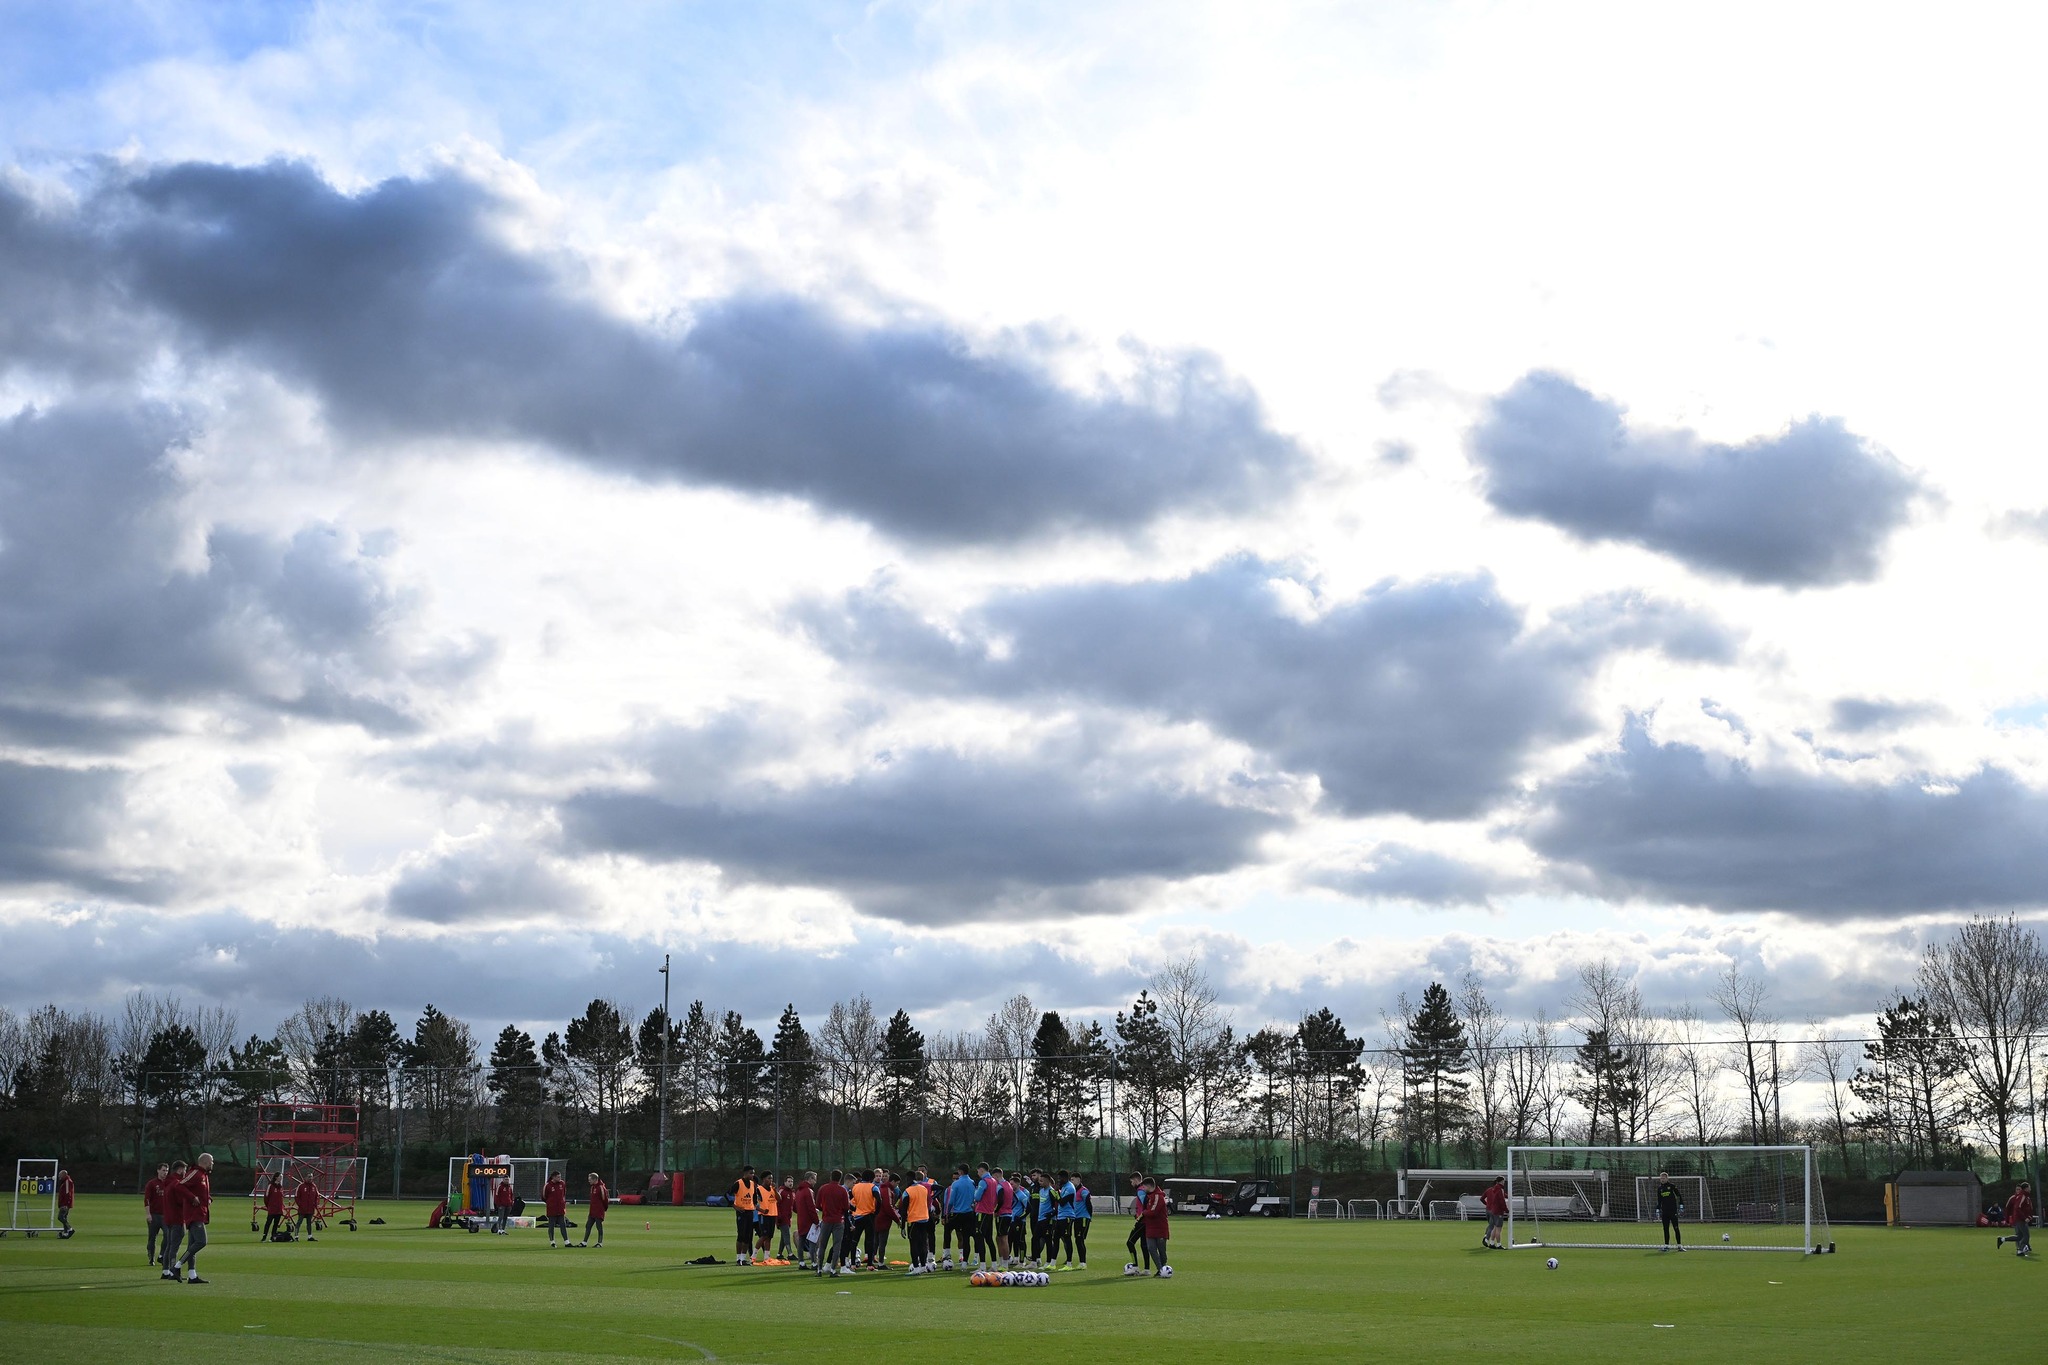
[[1747, 1198], [1325, 1208]]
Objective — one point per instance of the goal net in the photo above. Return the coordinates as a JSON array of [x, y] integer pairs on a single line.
[[1726, 1198], [471, 1185], [1325, 1208]]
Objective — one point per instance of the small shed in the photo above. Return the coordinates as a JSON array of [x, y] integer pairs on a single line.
[[1935, 1198]]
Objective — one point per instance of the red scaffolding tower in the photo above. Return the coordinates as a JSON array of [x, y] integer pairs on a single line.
[[294, 1141]]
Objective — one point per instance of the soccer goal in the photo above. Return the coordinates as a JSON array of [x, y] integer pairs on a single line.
[[1730, 1198], [1325, 1208], [35, 1198], [1362, 1208]]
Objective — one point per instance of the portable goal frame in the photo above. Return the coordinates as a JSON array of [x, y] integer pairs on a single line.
[[29, 1181], [1522, 1192]]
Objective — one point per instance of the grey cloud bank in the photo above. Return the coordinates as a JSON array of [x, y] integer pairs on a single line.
[[404, 310], [1667, 822], [1812, 507], [1426, 698]]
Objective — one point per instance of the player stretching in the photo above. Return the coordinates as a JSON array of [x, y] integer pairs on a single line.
[[2019, 1216], [1496, 1201], [1668, 1209], [1134, 1245]]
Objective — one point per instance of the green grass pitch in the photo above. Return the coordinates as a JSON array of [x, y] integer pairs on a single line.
[[1245, 1290]]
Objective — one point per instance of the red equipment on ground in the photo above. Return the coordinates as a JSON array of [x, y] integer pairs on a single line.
[[294, 1141]]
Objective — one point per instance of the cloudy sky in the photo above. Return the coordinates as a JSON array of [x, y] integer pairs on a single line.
[[951, 499]]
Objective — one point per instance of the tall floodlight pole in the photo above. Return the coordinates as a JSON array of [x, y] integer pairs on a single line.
[[661, 1122]]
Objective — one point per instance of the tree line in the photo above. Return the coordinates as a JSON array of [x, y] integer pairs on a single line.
[[1172, 1081]]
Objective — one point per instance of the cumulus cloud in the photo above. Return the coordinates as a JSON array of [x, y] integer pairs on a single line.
[[1427, 698], [107, 615], [407, 313], [935, 836], [1669, 822], [1810, 507]]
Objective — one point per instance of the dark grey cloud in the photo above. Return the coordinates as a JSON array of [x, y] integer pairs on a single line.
[[54, 825], [105, 617], [406, 312], [1426, 698], [933, 836], [1874, 715], [482, 882], [1810, 507], [1667, 822], [1398, 872]]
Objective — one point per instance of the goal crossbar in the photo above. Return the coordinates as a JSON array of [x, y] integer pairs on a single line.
[[1748, 1188]]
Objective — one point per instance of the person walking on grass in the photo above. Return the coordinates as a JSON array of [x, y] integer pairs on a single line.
[[153, 1209], [555, 1199], [1496, 1201], [273, 1207], [306, 1200], [600, 1200], [2019, 1216], [177, 1208], [195, 1201], [1668, 1209], [67, 1195]]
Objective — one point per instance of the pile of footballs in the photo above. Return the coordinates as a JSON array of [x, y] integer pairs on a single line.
[[1009, 1279]]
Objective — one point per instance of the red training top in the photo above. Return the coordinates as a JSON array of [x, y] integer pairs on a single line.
[[2018, 1209], [273, 1200], [783, 1200], [600, 1200], [832, 1203], [806, 1202], [504, 1198], [555, 1194], [66, 1191], [153, 1196], [1156, 1213], [177, 1201], [1496, 1200], [307, 1197], [199, 1193], [885, 1204]]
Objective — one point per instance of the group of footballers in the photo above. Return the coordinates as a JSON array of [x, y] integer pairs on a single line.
[[981, 1219], [179, 1203]]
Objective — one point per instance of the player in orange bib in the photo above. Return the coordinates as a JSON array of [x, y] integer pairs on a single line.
[[765, 1206]]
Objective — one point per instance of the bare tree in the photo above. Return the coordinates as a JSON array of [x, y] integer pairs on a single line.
[[1828, 1058], [1485, 1029], [851, 1046], [1007, 1035], [1195, 1021], [1753, 1053], [304, 1036], [12, 1056], [1991, 981], [1696, 1067]]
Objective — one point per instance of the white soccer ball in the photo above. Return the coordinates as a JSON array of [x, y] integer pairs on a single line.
[[1552, 1263], [1166, 1272], [1130, 1267], [1726, 1238]]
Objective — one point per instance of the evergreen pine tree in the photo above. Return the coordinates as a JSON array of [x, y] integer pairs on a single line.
[[1434, 1062]]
